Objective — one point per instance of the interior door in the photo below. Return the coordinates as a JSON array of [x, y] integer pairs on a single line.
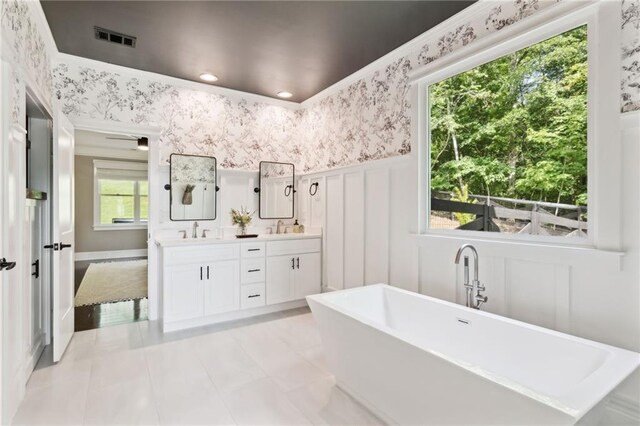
[[12, 266], [62, 236]]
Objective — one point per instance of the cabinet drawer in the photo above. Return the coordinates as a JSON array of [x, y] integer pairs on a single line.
[[252, 270], [252, 296], [251, 250], [200, 254], [278, 248]]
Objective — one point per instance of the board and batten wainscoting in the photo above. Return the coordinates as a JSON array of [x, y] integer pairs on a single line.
[[369, 217]]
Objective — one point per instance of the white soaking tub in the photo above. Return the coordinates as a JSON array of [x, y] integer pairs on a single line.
[[413, 359]]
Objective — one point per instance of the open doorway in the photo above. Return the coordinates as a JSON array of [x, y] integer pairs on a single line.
[[37, 215], [111, 218]]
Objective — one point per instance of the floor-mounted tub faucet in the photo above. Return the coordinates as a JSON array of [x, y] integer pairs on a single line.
[[479, 299]]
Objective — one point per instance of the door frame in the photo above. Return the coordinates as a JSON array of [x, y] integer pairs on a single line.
[[153, 162], [25, 85]]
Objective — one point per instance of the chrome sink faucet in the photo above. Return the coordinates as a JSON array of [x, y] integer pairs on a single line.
[[479, 299], [280, 223], [194, 234]]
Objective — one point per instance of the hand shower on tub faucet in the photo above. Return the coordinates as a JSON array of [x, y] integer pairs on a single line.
[[479, 299]]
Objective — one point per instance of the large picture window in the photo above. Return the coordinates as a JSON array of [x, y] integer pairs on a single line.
[[508, 142], [121, 194]]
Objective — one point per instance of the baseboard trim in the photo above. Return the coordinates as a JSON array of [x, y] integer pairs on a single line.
[[109, 254], [625, 407], [231, 316]]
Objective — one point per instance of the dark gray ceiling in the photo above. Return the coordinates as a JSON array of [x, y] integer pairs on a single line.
[[258, 47]]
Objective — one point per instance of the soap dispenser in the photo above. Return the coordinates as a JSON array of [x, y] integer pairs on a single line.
[[296, 227]]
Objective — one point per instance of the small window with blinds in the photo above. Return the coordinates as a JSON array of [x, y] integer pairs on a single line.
[[121, 194]]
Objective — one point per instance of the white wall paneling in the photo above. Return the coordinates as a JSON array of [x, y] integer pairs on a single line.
[[377, 226], [403, 205], [334, 233], [310, 208], [236, 190], [362, 206], [354, 229]]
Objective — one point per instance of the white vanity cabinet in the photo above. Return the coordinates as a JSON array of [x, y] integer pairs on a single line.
[[252, 274], [200, 281], [183, 290], [293, 270], [221, 289], [209, 281]]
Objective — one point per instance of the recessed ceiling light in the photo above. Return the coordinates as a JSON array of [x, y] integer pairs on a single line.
[[285, 94], [208, 77]]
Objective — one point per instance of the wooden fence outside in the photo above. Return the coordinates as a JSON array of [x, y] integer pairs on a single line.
[[537, 214]]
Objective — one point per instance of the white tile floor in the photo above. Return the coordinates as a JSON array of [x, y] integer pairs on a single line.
[[267, 371]]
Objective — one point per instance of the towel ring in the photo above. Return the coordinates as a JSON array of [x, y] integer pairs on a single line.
[[287, 190], [315, 191]]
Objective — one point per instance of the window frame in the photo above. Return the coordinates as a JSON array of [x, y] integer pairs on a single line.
[[105, 165], [602, 172]]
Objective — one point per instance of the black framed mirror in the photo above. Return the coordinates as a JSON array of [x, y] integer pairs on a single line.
[[277, 190], [193, 187]]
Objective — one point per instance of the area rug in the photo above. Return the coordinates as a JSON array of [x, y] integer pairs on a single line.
[[113, 282]]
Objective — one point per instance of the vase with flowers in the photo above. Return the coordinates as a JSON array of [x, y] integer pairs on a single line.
[[242, 218]]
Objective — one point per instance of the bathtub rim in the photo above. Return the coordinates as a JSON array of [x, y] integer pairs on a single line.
[[577, 402]]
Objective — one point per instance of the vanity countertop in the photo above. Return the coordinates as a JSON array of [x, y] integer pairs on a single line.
[[178, 241]]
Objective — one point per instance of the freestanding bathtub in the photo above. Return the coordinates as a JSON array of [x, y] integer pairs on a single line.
[[413, 359]]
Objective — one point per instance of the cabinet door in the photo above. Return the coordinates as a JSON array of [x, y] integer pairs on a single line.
[[183, 292], [307, 275], [221, 287], [280, 279]]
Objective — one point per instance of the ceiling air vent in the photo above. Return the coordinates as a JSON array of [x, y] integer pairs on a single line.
[[114, 37]]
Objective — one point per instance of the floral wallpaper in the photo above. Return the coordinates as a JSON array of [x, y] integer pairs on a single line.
[[368, 120], [29, 49], [630, 84], [238, 132]]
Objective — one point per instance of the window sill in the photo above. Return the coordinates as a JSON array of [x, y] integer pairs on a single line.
[[530, 250], [119, 227]]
